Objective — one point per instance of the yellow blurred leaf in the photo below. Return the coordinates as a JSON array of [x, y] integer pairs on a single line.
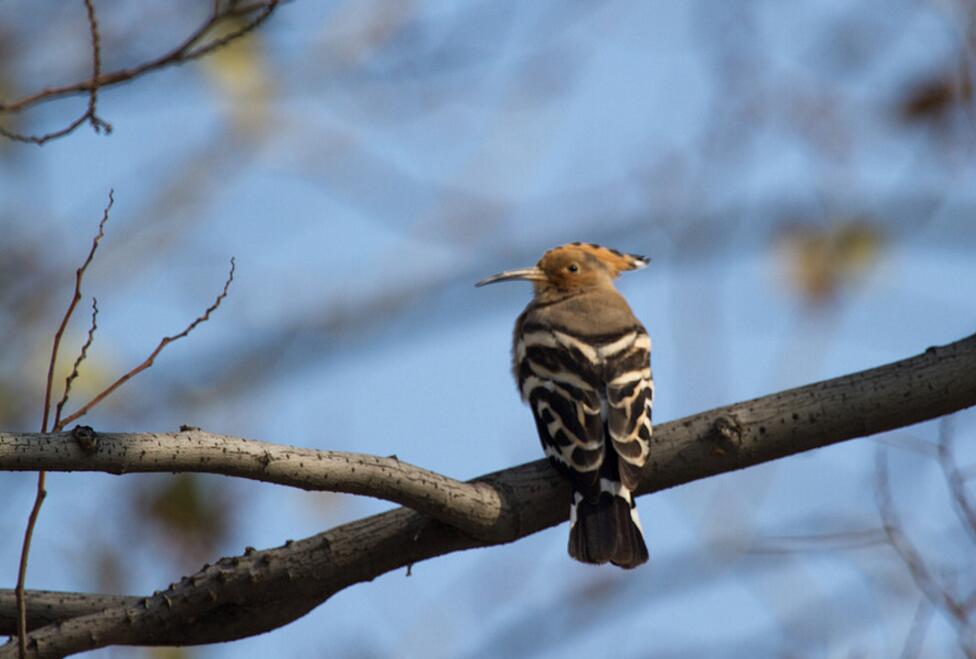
[[93, 373], [190, 512], [819, 261], [239, 74], [169, 653]]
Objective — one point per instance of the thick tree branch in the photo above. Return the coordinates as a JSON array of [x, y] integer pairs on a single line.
[[473, 507], [261, 590], [48, 607]]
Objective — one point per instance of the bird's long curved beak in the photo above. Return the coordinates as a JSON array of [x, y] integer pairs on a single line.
[[529, 274]]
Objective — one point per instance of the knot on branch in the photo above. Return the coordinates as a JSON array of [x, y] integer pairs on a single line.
[[725, 434], [86, 437]]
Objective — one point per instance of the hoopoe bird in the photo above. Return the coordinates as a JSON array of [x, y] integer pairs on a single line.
[[582, 362]]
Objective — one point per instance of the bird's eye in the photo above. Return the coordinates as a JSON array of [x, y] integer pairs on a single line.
[[573, 267]]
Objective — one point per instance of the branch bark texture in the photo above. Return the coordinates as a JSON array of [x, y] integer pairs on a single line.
[[245, 595], [475, 508]]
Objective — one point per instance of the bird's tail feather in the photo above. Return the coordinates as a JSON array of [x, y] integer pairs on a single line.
[[606, 530]]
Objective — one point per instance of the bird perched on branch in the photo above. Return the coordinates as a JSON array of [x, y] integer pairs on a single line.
[[582, 362]]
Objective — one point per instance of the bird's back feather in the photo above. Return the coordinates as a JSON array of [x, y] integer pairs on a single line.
[[583, 364]]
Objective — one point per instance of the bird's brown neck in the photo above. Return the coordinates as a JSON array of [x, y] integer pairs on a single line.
[[546, 293]]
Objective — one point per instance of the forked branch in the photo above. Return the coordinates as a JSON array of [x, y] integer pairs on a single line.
[[150, 360], [41, 491], [60, 423], [73, 375], [194, 46]]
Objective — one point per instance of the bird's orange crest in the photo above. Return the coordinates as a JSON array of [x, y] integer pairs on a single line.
[[614, 260], [573, 266]]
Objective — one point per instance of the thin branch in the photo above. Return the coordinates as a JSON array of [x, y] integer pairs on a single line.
[[239, 9], [74, 370], [188, 50], [245, 595], [165, 341], [233, 35], [39, 497], [926, 582], [97, 124], [75, 298], [90, 115], [41, 492], [916, 633], [830, 541], [961, 501], [47, 137]]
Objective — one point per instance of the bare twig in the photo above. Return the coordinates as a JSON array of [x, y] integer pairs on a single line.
[[42, 476], [90, 115], [165, 341], [916, 633], [76, 297], [74, 371], [220, 42], [41, 139], [830, 541], [189, 49], [97, 124], [926, 582], [961, 501], [59, 423], [22, 567]]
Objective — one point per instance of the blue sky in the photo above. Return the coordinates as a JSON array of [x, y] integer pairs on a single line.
[[403, 155]]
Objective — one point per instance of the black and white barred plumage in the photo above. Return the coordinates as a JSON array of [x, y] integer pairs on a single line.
[[582, 362]]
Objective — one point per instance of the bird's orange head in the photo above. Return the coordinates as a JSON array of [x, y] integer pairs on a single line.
[[572, 267]]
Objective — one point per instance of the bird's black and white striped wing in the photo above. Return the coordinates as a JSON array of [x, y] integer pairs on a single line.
[[562, 385], [583, 390], [630, 399], [591, 398]]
